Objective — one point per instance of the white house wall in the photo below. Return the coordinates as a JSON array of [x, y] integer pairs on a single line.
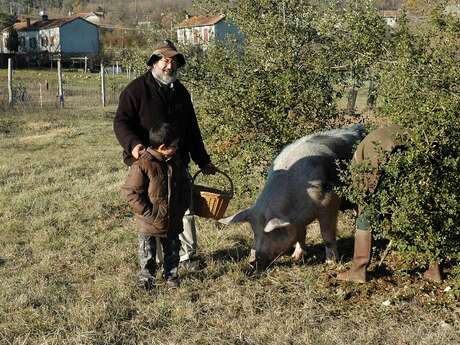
[[391, 21], [49, 40], [197, 35], [25, 38], [185, 35]]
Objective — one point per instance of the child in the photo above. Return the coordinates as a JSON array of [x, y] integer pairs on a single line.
[[158, 191]]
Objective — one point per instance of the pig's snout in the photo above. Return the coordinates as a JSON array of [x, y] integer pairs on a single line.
[[259, 261]]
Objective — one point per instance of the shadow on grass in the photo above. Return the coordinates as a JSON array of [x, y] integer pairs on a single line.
[[2, 261], [236, 253], [314, 255], [417, 271]]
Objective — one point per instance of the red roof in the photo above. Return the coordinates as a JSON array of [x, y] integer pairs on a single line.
[[390, 13], [22, 25], [46, 24], [200, 21]]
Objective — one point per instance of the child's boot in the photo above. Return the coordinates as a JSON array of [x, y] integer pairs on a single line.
[[171, 248], [173, 282]]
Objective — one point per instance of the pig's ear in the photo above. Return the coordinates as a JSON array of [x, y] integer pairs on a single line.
[[240, 217], [275, 223]]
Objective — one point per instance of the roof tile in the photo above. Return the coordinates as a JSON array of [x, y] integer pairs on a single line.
[[200, 21]]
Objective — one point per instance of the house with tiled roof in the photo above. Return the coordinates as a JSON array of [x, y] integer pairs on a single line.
[[95, 17], [390, 16], [200, 30], [68, 35]]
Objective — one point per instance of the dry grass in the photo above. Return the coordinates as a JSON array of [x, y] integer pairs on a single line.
[[38, 88], [68, 263]]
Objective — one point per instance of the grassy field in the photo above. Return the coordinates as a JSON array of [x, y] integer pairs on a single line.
[[68, 263]]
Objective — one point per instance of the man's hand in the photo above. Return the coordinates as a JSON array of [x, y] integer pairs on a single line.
[[137, 151], [209, 169]]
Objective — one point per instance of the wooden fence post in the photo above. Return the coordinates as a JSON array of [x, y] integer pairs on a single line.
[[10, 81], [371, 94], [86, 64], [60, 91], [351, 102], [102, 85], [41, 95]]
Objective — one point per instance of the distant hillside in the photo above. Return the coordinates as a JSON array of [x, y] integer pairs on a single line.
[[115, 11]]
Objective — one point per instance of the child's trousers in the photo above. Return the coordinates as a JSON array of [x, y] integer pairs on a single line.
[[147, 253]]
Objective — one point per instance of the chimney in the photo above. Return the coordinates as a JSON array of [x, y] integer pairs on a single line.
[[44, 15], [28, 21]]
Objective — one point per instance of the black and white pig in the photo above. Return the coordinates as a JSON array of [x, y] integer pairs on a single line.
[[298, 190]]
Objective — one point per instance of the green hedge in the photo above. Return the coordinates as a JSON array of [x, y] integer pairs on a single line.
[[418, 203]]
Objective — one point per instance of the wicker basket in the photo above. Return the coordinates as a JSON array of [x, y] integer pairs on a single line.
[[208, 202]]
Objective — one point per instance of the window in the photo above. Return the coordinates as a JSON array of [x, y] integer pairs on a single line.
[[44, 41], [196, 37], [33, 42]]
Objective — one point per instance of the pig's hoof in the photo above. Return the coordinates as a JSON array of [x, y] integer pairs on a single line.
[[331, 261], [297, 256], [331, 255], [299, 252]]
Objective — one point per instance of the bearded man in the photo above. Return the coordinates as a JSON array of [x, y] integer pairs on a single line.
[[147, 102]]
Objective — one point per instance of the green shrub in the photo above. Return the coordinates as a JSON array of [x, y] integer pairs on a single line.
[[282, 81], [420, 193]]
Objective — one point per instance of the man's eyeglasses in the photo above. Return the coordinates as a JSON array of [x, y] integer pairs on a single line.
[[168, 61]]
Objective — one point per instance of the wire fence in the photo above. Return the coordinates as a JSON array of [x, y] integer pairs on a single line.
[[39, 89]]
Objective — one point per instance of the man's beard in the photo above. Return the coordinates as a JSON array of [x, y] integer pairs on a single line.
[[164, 77]]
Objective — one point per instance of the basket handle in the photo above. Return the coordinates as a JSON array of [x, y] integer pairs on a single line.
[[220, 172]]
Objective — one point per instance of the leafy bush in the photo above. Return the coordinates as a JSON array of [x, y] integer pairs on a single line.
[[420, 193], [282, 80]]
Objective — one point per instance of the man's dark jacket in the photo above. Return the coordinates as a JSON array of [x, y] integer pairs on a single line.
[[146, 104]]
